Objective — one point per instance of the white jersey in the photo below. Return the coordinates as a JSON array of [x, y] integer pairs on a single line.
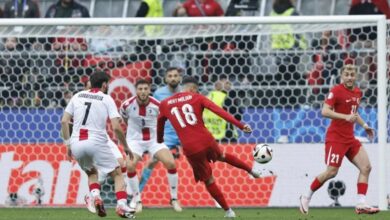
[[90, 110], [141, 119]]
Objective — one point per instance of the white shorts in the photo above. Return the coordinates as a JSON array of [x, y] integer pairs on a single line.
[[115, 149], [140, 147], [92, 154]]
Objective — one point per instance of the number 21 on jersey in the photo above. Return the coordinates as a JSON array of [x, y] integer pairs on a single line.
[[189, 116]]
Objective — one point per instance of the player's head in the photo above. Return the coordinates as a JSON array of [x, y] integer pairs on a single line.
[[348, 75], [142, 87], [99, 80], [173, 77], [190, 84]]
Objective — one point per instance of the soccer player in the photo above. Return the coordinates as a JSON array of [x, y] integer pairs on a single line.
[[172, 79], [140, 114], [88, 143], [101, 175], [184, 110], [341, 106]]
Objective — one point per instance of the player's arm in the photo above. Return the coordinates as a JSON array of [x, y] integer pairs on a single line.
[[369, 130], [65, 128], [115, 119], [225, 115], [65, 131], [160, 126], [116, 127], [328, 112]]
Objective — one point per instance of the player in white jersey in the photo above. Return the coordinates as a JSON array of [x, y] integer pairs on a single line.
[[102, 176], [140, 113], [88, 143]]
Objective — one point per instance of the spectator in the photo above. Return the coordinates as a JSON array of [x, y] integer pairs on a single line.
[[327, 61], [199, 8], [287, 62], [21, 9], [367, 7], [151, 8], [67, 9], [223, 97]]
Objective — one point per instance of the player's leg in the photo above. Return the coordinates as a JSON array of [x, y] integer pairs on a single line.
[[147, 172], [106, 163], [362, 162], [334, 154], [218, 196], [133, 181], [122, 209], [236, 162], [165, 156]]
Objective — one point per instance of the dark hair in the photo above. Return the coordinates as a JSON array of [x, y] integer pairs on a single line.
[[173, 68], [189, 79], [98, 78], [141, 82]]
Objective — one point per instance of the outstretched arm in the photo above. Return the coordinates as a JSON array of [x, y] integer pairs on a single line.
[[224, 114]]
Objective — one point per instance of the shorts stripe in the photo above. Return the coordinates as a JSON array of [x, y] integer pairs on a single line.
[[329, 153]]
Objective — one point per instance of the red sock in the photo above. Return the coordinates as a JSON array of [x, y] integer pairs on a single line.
[[217, 195], [131, 175], [93, 186], [315, 185], [172, 171], [121, 195], [362, 188], [234, 161]]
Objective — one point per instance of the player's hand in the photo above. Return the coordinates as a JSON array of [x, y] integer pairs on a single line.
[[351, 118], [247, 129], [370, 132], [69, 156], [129, 153]]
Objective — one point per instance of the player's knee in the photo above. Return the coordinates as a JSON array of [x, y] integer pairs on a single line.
[[122, 163], [170, 164], [131, 166], [332, 173], [366, 169]]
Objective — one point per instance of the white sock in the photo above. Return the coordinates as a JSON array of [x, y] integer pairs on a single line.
[[361, 199], [95, 193], [173, 182], [134, 186], [309, 194], [122, 202]]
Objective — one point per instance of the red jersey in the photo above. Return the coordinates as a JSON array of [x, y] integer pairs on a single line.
[[343, 101], [210, 8], [184, 110]]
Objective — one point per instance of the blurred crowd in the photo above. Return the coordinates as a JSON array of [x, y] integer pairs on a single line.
[[45, 72]]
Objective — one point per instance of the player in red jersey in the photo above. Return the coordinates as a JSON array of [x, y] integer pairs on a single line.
[[184, 110], [341, 106]]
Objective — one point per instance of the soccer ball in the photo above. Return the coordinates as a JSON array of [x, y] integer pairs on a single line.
[[262, 153]]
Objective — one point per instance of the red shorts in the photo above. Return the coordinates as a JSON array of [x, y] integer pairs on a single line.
[[200, 162], [335, 152]]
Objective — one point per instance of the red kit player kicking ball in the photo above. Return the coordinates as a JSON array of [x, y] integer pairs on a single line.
[[341, 106], [184, 110]]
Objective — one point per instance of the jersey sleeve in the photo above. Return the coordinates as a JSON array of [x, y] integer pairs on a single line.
[[70, 107], [220, 112], [331, 98], [160, 124], [122, 110], [111, 107]]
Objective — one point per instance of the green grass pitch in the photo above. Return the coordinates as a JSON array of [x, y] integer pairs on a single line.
[[190, 213]]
